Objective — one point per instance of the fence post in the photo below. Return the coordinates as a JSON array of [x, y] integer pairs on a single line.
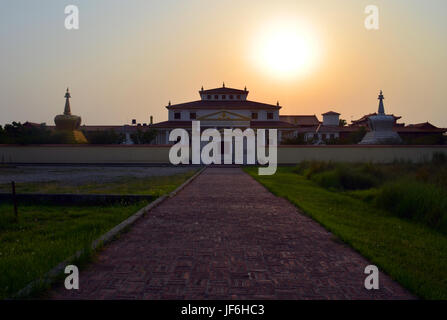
[[14, 200]]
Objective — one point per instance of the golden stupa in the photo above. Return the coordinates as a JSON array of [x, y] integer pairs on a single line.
[[70, 123]]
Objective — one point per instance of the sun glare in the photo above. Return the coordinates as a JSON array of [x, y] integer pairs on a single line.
[[286, 49]]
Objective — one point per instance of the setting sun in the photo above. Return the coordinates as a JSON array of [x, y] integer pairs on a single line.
[[286, 49]]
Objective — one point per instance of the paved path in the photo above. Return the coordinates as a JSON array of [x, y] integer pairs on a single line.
[[226, 237]]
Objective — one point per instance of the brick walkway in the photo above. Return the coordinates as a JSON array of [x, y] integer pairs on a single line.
[[226, 237]]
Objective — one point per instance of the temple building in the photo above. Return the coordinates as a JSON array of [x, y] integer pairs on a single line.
[[222, 108]]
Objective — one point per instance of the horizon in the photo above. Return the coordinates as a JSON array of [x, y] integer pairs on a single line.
[[127, 60]]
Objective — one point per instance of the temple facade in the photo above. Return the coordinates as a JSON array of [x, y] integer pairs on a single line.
[[223, 108]]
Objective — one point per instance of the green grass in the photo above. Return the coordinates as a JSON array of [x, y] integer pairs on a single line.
[[411, 253], [412, 191], [414, 200], [48, 234], [156, 186]]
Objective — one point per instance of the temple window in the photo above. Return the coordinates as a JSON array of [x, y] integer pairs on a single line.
[[177, 115], [192, 115], [270, 115], [231, 97], [208, 97], [239, 97], [216, 97], [223, 97], [254, 115]]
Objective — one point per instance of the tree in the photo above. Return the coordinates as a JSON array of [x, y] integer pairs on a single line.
[[2, 135], [143, 137], [17, 133], [354, 137], [299, 139], [342, 123], [104, 137]]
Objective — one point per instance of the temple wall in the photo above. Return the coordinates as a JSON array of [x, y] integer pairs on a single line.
[[357, 153], [156, 154]]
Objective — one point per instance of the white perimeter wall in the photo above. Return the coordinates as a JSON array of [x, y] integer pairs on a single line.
[[60, 154]]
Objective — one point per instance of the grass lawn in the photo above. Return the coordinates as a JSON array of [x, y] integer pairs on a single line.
[[411, 253], [48, 234], [156, 186]]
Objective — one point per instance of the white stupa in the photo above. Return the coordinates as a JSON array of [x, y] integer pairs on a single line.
[[381, 126]]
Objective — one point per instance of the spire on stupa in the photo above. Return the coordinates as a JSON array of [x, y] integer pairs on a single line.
[[381, 107], [67, 110], [70, 123]]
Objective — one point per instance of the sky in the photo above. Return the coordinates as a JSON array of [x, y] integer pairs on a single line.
[[130, 57]]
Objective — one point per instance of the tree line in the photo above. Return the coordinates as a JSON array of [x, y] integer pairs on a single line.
[[24, 134]]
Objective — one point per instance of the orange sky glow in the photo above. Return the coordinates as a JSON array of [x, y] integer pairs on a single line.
[[129, 58]]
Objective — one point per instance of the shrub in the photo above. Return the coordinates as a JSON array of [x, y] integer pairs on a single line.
[[373, 170], [419, 201], [367, 195], [310, 168], [316, 167], [356, 179], [434, 139], [353, 137], [18, 133], [301, 167], [344, 178], [439, 158], [143, 136], [328, 179], [298, 140], [104, 137]]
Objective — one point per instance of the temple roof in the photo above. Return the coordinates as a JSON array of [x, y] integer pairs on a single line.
[[301, 120], [224, 104], [172, 124], [271, 124], [223, 90], [322, 129], [421, 128], [365, 118], [424, 125], [330, 113]]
